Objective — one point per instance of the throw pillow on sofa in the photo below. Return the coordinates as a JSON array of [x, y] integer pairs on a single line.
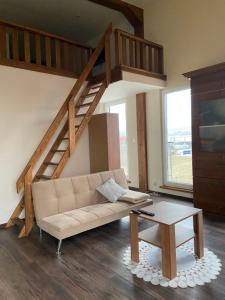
[[111, 190]]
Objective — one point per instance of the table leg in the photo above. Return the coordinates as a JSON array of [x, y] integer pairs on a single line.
[[168, 244], [134, 237], [198, 229]]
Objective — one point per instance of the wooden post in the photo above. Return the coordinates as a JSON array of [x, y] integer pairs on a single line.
[[29, 212], [48, 52], [161, 61], [118, 48], [27, 46], [134, 237], [198, 229], [142, 141], [137, 54], [124, 50], [143, 56], [58, 54], [2, 43], [71, 125], [16, 213], [150, 59], [131, 53], [38, 48], [107, 61], [168, 244], [15, 44]]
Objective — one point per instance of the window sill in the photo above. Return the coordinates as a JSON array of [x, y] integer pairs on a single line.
[[177, 189]]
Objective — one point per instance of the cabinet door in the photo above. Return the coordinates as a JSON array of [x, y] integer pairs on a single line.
[[209, 194], [208, 134]]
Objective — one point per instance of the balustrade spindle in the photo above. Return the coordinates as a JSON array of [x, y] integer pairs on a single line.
[[15, 45], [27, 47], [131, 53], [38, 48], [58, 54], [150, 58], [124, 50], [48, 52], [2, 42]]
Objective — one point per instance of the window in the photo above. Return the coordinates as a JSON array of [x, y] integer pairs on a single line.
[[177, 139], [120, 108]]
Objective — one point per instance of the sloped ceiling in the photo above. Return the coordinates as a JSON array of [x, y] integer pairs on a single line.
[[79, 20]]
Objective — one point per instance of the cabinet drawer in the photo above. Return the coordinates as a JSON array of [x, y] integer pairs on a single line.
[[209, 194]]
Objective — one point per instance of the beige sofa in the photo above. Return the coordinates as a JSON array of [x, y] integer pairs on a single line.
[[68, 206]]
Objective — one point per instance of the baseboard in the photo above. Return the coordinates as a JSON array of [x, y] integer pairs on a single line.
[[138, 190], [182, 198]]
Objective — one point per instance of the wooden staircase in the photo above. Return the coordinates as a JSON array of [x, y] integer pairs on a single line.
[[63, 134]]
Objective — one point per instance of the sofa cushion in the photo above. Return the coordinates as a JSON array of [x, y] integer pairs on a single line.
[[111, 190], [78, 220], [134, 197]]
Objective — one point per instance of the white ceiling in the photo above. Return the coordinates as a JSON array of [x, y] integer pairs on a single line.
[[79, 20], [123, 89]]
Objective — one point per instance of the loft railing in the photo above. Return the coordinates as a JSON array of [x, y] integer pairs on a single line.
[[137, 53], [29, 48], [35, 50]]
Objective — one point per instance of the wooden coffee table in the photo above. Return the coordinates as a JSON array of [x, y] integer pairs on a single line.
[[164, 234]]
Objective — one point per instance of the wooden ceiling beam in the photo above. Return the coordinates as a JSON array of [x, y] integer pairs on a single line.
[[134, 14]]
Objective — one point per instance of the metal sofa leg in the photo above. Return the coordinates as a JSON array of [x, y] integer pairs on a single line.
[[40, 233], [58, 252]]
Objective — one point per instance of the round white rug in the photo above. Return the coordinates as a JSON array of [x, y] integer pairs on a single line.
[[191, 271]]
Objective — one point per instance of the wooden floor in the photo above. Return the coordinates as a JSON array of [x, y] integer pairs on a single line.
[[91, 267]]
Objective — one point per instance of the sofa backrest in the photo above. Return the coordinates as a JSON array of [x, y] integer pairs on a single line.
[[63, 194]]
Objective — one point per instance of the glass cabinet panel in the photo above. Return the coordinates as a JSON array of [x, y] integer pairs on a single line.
[[212, 125]]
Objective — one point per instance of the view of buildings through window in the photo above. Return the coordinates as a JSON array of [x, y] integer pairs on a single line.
[[177, 138]]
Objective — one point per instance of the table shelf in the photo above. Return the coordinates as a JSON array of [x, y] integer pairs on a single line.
[[152, 235]]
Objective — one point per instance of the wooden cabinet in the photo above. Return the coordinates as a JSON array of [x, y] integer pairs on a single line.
[[208, 137], [104, 142]]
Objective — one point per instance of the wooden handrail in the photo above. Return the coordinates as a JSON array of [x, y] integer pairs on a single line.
[[64, 109], [33, 30], [136, 38]]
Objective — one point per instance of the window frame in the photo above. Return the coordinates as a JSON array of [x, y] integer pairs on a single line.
[[166, 182]]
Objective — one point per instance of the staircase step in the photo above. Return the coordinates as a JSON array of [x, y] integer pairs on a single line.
[[58, 150], [96, 85], [44, 177], [89, 95], [49, 163], [80, 115], [84, 104]]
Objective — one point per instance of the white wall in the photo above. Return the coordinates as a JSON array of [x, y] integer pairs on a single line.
[[29, 102], [192, 34]]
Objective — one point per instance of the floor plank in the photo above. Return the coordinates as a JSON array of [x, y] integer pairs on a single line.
[[90, 267]]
